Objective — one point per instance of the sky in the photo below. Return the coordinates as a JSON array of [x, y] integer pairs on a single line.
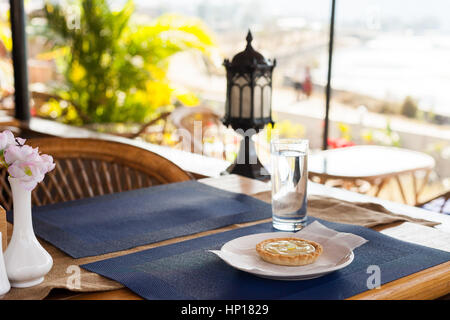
[[346, 10]]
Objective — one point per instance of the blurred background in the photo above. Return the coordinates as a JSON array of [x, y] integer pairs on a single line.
[[143, 69]]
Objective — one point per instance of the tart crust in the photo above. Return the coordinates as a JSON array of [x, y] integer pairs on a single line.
[[299, 259]]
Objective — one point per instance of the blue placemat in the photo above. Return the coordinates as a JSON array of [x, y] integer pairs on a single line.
[[124, 220], [188, 271]]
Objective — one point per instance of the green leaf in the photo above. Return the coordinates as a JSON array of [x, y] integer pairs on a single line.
[[115, 70]]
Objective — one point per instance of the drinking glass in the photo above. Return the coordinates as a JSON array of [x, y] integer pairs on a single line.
[[289, 158]]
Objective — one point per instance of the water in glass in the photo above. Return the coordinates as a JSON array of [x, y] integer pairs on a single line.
[[289, 184]]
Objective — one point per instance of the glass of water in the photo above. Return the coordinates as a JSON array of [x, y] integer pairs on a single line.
[[289, 158]]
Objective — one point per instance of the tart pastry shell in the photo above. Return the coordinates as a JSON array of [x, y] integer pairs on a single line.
[[299, 259]]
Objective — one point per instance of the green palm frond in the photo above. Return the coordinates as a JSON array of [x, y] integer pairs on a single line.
[[111, 66]]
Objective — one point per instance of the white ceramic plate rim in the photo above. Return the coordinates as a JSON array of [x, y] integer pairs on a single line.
[[302, 275]]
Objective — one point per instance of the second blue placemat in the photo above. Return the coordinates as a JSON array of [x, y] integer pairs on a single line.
[[187, 271]]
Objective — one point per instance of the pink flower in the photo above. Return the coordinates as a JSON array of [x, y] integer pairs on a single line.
[[29, 167], [15, 152], [7, 139], [28, 173], [23, 162], [47, 163]]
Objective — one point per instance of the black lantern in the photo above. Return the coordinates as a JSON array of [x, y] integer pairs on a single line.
[[248, 106]]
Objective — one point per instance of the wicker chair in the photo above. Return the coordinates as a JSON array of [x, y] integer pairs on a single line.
[[91, 167], [438, 204], [185, 118]]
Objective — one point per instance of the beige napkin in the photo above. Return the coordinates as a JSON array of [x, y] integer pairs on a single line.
[[366, 214], [241, 253]]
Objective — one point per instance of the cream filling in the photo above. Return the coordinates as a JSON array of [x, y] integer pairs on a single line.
[[289, 247]]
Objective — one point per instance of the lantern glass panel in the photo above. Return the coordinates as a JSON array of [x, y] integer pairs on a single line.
[[257, 102], [267, 101], [261, 84], [235, 102], [262, 81], [246, 102], [240, 97]]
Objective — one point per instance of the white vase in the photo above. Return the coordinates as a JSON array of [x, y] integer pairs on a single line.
[[4, 282], [26, 261]]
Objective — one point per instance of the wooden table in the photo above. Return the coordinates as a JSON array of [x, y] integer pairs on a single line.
[[431, 283], [376, 165]]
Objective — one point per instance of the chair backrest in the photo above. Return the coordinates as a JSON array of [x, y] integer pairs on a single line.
[[92, 167], [209, 123]]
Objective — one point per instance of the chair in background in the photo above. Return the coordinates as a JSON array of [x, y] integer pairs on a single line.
[[92, 167], [212, 130], [440, 203]]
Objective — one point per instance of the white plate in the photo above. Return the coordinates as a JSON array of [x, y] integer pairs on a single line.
[[251, 262]]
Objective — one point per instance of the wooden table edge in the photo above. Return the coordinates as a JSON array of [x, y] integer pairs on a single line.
[[415, 286], [407, 288], [412, 287]]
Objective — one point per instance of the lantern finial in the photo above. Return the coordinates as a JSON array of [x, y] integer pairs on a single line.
[[249, 37]]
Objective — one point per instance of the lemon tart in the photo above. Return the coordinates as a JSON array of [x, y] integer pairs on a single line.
[[289, 251]]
